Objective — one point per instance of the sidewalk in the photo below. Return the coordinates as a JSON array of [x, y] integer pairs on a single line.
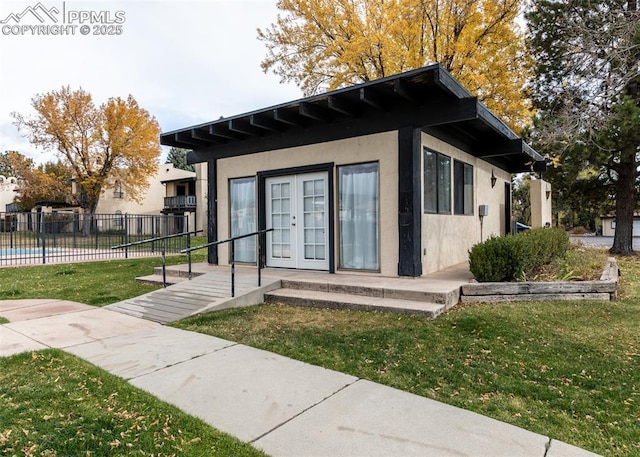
[[280, 405]]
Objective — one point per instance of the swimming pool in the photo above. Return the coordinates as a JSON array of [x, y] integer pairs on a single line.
[[20, 251]]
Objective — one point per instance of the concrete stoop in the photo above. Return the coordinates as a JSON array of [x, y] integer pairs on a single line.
[[341, 296], [173, 276]]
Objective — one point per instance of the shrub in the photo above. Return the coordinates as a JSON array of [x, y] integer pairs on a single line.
[[495, 259], [509, 257]]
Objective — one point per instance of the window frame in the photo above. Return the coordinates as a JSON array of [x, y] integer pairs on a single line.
[[460, 169], [442, 206], [230, 209], [340, 235]]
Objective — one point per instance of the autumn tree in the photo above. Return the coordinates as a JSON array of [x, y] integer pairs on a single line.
[[50, 182], [178, 157], [6, 167], [115, 142], [587, 91], [324, 45]]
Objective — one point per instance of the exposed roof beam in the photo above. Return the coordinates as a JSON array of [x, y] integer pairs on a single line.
[[313, 112], [450, 113], [203, 135], [401, 88], [445, 80], [336, 104], [264, 123], [287, 117], [370, 97], [186, 138], [220, 131], [243, 127]]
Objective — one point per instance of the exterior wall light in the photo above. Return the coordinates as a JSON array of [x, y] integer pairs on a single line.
[[494, 179]]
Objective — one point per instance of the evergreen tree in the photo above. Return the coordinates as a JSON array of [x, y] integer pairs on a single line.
[[587, 93], [178, 157]]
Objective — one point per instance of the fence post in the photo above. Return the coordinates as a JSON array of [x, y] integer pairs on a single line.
[[259, 240], [153, 233], [164, 267], [76, 225], [189, 253], [95, 223], [233, 268], [44, 251], [126, 235]]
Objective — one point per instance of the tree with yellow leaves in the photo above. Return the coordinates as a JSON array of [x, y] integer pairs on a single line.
[[115, 142], [50, 182], [327, 44]]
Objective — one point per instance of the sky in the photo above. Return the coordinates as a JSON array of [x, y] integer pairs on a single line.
[[186, 62]]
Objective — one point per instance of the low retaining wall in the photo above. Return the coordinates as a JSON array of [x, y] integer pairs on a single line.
[[604, 289]]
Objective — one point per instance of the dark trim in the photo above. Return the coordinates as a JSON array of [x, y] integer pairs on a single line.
[[212, 207], [427, 97], [262, 216], [409, 201], [508, 226]]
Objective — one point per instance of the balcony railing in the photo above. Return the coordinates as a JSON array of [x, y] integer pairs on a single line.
[[180, 202]]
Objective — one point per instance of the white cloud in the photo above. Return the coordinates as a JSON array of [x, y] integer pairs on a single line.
[[185, 62]]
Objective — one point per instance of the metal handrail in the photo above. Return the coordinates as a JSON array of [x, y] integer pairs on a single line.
[[162, 250], [233, 261]]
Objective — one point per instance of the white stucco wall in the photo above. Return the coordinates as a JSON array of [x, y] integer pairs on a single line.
[[540, 204], [381, 148], [447, 238], [152, 201], [7, 191], [201, 196]]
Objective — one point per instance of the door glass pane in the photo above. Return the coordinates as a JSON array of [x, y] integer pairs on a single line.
[[243, 217], [280, 220], [313, 218], [358, 216]]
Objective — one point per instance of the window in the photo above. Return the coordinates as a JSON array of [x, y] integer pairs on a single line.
[[358, 217], [117, 192], [437, 182], [462, 188], [242, 200]]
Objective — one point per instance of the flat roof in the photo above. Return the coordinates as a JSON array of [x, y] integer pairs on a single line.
[[428, 98]]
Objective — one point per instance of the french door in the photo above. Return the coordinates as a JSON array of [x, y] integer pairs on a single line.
[[296, 208]]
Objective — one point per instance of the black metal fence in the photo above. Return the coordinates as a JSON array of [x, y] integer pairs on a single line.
[[42, 238]]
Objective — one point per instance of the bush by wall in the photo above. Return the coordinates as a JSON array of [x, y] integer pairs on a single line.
[[509, 257]]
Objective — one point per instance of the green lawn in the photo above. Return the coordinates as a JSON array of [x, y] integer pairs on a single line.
[[568, 370], [93, 283], [53, 404]]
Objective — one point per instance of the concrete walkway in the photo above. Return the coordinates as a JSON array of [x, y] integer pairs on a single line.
[[282, 406]]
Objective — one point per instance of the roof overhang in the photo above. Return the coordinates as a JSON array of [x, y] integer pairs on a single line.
[[428, 98]]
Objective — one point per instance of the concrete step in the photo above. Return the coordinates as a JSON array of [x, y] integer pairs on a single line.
[[178, 271], [448, 298], [156, 279], [301, 297]]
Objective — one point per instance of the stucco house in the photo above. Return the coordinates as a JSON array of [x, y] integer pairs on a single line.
[[609, 224], [171, 191], [8, 192], [397, 177]]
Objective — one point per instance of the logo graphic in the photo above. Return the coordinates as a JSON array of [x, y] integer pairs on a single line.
[[37, 11], [40, 20]]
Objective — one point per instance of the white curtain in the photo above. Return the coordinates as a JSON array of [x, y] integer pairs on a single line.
[[359, 227], [242, 194]]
